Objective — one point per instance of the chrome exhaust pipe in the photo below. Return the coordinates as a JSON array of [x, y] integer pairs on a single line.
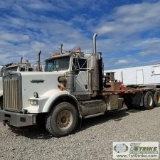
[[94, 43], [39, 67], [21, 60]]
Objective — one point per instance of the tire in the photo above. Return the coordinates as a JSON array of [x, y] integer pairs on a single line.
[[62, 120], [156, 98], [1, 103], [128, 102], [148, 100]]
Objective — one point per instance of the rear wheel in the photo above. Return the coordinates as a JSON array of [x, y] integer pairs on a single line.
[[148, 100], [128, 101], [156, 98], [62, 120], [1, 103]]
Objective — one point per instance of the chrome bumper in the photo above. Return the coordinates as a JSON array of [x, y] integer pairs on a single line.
[[17, 119]]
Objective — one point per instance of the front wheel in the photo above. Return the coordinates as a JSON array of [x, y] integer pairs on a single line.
[[62, 120]]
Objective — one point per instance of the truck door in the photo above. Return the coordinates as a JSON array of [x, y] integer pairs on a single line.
[[81, 78]]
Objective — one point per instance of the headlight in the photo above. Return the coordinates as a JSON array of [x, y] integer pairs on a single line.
[[33, 102]]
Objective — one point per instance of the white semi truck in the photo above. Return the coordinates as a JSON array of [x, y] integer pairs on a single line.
[[71, 88], [9, 68], [20, 67]]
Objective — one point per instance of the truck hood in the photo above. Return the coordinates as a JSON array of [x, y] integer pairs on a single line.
[[40, 82]]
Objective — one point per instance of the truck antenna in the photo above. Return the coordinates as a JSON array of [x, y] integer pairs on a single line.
[[61, 48]]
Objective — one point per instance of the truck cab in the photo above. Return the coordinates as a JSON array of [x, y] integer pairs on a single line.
[[76, 71]]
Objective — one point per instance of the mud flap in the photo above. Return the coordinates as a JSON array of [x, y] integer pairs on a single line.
[[142, 102], [137, 100]]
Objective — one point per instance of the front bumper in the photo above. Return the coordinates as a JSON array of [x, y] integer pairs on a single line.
[[17, 119]]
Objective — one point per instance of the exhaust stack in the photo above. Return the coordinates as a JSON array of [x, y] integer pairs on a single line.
[[94, 43], [39, 67], [61, 49], [21, 60], [97, 72], [95, 67]]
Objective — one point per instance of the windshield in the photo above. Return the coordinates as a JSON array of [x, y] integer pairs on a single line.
[[12, 68], [57, 64]]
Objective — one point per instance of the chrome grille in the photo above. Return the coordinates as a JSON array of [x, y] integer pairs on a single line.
[[12, 97]]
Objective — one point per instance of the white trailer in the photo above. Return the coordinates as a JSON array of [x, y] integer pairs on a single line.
[[138, 75]]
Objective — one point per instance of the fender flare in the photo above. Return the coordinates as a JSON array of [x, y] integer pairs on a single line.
[[59, 97]]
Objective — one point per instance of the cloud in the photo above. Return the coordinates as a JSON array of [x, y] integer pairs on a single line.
[[14, 37], [150, 47], [131, 19], [122, 61], [43, 25], [133, 29]]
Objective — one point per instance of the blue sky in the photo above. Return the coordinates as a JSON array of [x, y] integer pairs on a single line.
[[128, 30]]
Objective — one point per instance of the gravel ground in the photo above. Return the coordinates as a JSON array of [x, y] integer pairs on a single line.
[[92, 141]]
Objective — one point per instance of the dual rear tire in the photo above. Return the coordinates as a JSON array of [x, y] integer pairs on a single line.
[[151, 100], [148, 100], [156, 98]]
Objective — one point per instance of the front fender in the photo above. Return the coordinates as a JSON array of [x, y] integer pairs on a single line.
[[46, 101], [54, 97]]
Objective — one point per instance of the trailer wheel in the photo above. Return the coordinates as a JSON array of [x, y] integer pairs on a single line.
[[62, 120], [156, 98], [148, 100]]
